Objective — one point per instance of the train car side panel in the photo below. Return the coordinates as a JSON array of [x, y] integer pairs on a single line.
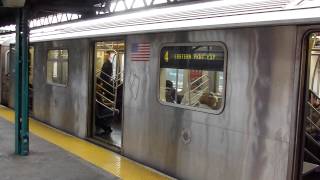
[[63, 106], [248, 140]]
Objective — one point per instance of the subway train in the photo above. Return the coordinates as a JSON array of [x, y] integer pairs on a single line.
[[219, 90]]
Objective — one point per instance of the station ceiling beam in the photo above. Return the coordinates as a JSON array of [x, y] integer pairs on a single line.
[[43, 8], [84, 8]]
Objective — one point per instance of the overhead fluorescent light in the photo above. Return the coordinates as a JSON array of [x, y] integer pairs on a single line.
[[13, 3]]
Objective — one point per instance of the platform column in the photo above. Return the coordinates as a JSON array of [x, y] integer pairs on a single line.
[[21, 84]]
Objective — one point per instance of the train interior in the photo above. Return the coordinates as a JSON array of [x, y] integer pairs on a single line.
[[195, 86], [5, 77], [31, 65], [311, 149], [108, 92]]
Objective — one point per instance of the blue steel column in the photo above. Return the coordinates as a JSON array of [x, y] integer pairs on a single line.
[[21, 84]]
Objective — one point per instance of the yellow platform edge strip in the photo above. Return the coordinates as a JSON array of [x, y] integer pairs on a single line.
[[109, 161]]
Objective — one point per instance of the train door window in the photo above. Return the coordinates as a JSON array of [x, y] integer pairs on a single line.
[[7, 63], [5, 79], [31, 67], [311, 146], [193, 76], [109, 78], [57, 67], [31, 64]]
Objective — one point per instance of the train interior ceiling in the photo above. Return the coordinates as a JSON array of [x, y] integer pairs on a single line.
[[311, 147]]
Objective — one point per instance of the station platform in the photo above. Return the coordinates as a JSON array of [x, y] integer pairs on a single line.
[[60, 156]]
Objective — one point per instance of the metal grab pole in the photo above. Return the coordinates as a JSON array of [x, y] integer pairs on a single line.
[[21, 84]]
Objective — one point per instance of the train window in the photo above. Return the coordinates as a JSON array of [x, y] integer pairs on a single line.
[[193, 76], [57, 67], [31, 64], [7, 63]]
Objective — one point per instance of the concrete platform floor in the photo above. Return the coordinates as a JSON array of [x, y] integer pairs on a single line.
[[45, 162]]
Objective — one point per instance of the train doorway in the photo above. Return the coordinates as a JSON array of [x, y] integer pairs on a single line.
[[30, 71], [5, 78], [310, 168], [109, 59]]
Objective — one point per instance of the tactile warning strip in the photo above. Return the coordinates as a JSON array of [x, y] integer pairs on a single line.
[[109, 161]]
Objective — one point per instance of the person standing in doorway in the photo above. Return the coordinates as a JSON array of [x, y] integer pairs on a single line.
[[106, 71], [104, 115]]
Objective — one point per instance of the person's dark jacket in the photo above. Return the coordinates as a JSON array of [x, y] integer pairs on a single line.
[[106, 71], [105, 80]]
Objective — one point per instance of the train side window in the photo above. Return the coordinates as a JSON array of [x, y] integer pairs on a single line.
[[193, 76], [31, 64], [57, 67], [7, 63]]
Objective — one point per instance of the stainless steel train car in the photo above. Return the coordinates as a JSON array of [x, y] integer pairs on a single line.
[[217, 90]]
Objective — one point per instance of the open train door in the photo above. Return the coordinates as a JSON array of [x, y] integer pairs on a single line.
[[7, 78], [308, 136], [107, 104], [5, 75]]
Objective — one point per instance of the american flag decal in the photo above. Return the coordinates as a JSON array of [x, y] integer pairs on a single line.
[[140, 52]]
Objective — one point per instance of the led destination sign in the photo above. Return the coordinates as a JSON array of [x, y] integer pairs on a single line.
[[195, 56], [192, 57]]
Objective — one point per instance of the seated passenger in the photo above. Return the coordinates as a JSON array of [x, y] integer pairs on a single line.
[[314, 117], [170, 92], [208, 101], [314, 101], [179, 98]]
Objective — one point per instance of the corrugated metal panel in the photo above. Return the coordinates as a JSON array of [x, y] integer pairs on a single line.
[[215, 14], [308, 3], [210, 12]]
